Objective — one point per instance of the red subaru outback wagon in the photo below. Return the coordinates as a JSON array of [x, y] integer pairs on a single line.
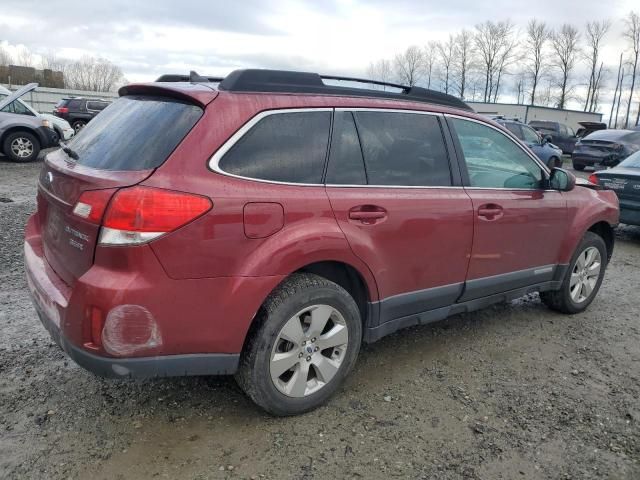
[[267, 223]]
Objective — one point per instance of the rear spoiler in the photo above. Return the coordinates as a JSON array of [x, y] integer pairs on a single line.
[[199, 94]]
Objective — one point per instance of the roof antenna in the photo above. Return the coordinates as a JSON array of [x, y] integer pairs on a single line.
[[195, 78]]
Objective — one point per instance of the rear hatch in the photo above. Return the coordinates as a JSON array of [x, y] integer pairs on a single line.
[[121, 147], [624, 181]]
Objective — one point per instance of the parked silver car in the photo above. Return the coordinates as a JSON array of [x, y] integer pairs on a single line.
[[22, 136]]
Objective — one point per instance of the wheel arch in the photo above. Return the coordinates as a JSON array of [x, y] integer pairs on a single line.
[[19, 128], [605, 231]]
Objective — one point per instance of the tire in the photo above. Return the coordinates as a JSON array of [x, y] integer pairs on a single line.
[[21, 146], [78, 125], [565, 299], [579, 167], [290, 305]]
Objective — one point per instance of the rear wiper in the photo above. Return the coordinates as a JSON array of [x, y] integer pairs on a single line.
[[66, 149]]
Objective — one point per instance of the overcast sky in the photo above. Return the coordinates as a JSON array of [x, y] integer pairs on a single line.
[[148, 38]]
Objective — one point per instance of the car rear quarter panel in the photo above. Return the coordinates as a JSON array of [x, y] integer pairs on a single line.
[[586, 207]]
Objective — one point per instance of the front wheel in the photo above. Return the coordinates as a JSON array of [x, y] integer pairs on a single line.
[[21, 147], [583, 278], [305, 342]]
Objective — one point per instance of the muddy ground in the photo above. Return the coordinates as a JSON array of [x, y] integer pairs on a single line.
[[514, 391]]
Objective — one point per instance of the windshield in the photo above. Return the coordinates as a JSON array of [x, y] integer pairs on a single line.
[[134, 133], [632, 161]]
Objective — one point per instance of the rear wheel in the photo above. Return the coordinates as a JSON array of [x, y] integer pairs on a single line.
[[583, 278], [78, 125], [305, 342], [21, 146], [577, 166]]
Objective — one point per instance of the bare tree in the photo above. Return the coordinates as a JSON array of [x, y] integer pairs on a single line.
[[494, 44], [430, 57], [595, 33], [595, 91], [615, 93], [537, 37], [564, 43], [506, 58], [94, 74], [632, 34], [462, 61], [409, 66], [381, 71], [520, 86], [615, 123], [446, 52], [5, 57], [24, 57]]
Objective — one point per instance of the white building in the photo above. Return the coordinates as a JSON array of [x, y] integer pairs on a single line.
[[526, 113]]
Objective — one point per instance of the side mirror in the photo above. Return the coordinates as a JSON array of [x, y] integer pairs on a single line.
[[546, 139], [562, 180]]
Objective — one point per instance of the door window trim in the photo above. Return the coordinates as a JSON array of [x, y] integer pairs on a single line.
[[545, 170]]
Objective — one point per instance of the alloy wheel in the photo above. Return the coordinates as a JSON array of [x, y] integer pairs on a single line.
[[22, 147], [584, 276], [309, 350]]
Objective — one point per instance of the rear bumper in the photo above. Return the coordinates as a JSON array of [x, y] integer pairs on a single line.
[[198, 326], [630, 212], [142, 367], [589, 160]]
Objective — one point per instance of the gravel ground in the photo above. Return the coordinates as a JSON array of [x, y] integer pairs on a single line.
[[514, 391]]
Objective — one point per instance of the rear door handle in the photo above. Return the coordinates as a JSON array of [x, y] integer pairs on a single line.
[[490, 211], [367, 214]]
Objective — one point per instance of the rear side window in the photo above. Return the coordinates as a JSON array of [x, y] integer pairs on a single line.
[[346, 165], [134, 133], [403, 149], [96, 105], [284, 147], [74, 104]]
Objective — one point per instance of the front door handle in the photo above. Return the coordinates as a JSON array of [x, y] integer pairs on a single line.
[[368, 214], [490, 211]]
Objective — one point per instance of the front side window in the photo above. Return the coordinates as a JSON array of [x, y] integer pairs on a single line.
[[530, 135], [493, 160], [403, 149], [515, 129], [283, 147]]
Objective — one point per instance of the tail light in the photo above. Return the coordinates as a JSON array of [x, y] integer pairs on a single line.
[[140, 214], [61, 110], [593, 178]]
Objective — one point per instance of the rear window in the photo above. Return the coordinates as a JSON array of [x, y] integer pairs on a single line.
[[134, 133], [633, 161], [283, 147], [62, 102], [545, 125]]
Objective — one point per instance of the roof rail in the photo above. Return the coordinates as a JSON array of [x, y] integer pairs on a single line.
[[282, 81]]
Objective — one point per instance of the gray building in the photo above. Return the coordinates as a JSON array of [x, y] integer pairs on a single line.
[[526, 113]]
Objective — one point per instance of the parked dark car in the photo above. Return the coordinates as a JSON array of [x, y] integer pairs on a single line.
[[546, 151], [561, 135], [79, 111], [268, 226], [588, 127], [623, 179], [605, 148]]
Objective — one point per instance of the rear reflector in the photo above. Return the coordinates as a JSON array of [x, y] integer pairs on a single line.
[[140, 214], [92, 204], [593, 178]]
